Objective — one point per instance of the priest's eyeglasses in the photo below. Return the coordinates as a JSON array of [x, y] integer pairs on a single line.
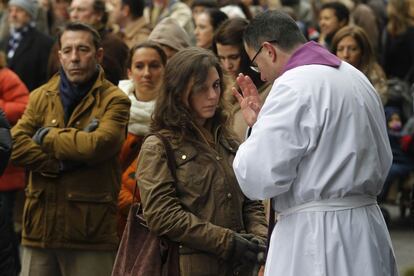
[[253, 65]]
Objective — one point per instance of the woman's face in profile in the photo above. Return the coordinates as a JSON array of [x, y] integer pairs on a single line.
[[349, 51], [205, 100], [203, 31]]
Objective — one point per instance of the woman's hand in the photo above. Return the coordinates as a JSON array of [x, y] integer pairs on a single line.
[[249, 100]]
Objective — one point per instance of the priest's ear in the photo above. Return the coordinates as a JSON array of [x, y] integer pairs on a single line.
[[270, 50]]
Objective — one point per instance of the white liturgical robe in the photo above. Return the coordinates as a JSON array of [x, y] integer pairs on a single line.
[[320, 140]]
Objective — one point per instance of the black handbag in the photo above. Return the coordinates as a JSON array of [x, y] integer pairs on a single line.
[[142, 252]]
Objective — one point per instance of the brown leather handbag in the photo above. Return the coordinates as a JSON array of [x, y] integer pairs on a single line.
[[142, 252]]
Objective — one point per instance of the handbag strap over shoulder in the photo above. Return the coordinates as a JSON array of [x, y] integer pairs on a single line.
[[169, 153]]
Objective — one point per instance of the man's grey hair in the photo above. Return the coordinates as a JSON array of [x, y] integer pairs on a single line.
[[273, 26]]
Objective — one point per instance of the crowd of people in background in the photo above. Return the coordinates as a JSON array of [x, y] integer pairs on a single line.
[[95, 72]]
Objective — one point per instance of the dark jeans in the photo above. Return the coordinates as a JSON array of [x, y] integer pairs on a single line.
[[9, 246], [398, 170]]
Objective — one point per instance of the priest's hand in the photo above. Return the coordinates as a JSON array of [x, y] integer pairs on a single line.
[[249, 100]]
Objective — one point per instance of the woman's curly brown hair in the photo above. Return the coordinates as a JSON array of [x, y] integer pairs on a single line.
[[185, 73]]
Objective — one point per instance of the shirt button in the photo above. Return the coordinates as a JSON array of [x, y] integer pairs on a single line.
[[78, 123], [54, 121], [184, 157], [229, 196]]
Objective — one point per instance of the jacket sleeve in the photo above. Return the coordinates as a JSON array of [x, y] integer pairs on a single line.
[[128, 184], [254, 218], [96, 146], [27, 153], [129, 151], [14, 95], [5, 142], [163, 211]]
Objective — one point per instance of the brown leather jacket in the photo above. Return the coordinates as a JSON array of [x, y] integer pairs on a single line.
[[75, 209], [204, 208]]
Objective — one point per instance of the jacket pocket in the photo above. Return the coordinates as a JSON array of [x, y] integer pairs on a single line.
[[193, 175], [90, 218], [199, 264], [33, 215]]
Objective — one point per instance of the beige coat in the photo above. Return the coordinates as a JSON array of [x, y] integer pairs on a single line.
[[136, 32], [177, 10], [204, 208]]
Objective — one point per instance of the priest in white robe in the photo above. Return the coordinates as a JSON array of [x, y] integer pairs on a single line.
[[319, 148]]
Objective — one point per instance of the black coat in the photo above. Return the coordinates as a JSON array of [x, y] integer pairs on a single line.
[[9, 262], [5, 142], [31, 57], [398, 55]]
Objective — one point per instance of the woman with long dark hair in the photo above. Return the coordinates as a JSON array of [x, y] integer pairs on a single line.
[[145, 70], [228, 46], [219, 230]]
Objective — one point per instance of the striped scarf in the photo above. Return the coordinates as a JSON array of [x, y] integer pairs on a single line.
[[16, 36]]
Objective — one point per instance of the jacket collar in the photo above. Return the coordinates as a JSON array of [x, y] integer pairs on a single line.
[[311, 53], [71, 95], [52, 86], [92, 97]]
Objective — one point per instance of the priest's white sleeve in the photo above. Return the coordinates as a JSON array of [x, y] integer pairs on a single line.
[[266, 163]]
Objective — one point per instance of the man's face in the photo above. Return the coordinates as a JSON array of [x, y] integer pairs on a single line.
[[82, 11], [117, 15], [18, 17], [265, 62], [60, 10], [78, 56]]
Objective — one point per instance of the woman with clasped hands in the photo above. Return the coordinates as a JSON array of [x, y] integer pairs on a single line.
[[219, 230]]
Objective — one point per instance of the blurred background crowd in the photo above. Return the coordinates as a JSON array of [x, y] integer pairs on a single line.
[[375, 36]]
